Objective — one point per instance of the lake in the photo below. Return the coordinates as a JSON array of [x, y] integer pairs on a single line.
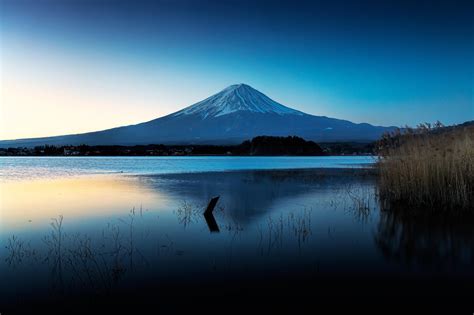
[[116, 231], [14, 168]]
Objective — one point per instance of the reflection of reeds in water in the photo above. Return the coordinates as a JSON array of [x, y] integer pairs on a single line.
[[98, 263], [436, 241], [359, 200], [188, 213], [18, 250], [362, 201], [95, 264], [233, 226], [300, 225], [55, 239], [427, 168], [295, 226]]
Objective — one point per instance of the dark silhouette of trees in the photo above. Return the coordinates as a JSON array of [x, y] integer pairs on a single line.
[[266, 145], [262, 145]]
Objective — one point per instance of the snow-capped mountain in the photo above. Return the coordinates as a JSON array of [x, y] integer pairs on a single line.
[[237, 97], [231, 116]]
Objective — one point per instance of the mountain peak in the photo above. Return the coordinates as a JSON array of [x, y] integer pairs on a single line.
[[239, 86], [235, 98]]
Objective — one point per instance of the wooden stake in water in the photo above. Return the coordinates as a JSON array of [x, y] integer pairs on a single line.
[[210, 220]]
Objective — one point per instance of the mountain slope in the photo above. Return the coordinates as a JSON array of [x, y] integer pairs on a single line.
[[238, 97], [237, 113]]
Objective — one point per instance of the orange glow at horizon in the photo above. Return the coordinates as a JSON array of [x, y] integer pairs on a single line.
[[35, 202]]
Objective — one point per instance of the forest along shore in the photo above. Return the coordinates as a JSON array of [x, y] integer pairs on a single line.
[[258, 146]]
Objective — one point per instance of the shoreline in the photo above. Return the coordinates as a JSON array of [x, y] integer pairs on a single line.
[[187, 155]]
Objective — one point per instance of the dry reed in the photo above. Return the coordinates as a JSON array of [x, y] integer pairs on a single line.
[[430, 168]]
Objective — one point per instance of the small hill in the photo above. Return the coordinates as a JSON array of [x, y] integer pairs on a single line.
[[266, 145]]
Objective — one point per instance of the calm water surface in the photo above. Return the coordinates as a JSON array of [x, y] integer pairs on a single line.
[[51, 167], [69, 227]]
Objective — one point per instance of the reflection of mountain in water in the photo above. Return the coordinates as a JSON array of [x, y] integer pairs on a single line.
[[249, 194], [439, 242]]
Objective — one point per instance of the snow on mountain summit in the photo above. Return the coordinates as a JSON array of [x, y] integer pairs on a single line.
[[237, 97]]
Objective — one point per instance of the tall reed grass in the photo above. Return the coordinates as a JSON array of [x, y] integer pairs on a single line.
[[428, 168]]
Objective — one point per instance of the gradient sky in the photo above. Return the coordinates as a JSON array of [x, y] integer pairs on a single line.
[[75, 66]]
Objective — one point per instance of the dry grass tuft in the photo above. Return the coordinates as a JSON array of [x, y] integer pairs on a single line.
[[428, 168]]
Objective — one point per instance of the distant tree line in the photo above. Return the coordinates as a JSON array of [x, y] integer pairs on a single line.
[[258, 146], [265, 145]]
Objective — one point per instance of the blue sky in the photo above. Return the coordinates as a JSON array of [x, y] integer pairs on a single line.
[[75, 66]]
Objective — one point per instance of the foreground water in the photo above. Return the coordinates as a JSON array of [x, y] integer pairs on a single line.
[[311, 233]]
